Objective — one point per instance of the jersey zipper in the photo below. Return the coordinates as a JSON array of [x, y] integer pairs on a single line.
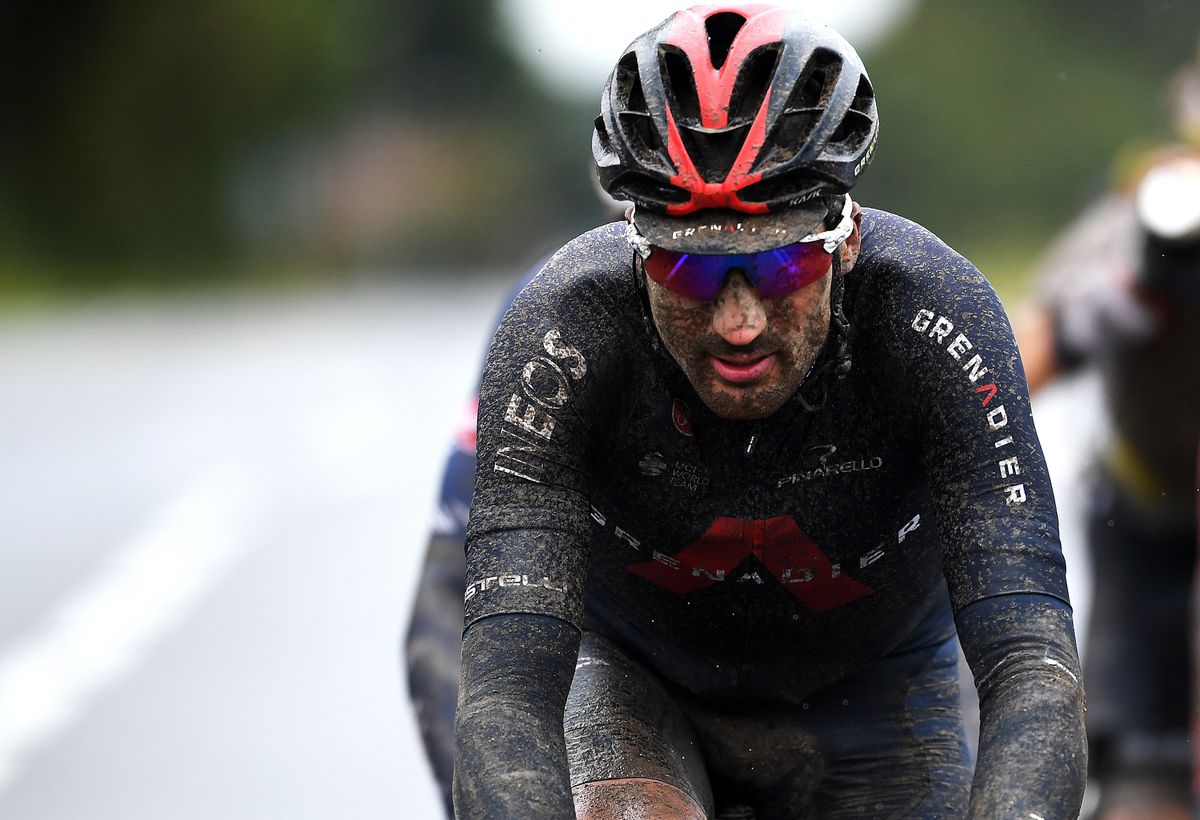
[[750, 445]]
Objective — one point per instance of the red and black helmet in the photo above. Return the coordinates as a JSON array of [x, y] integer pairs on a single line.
[[750, 108]]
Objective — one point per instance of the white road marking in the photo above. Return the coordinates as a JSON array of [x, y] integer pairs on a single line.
[[99, 634]]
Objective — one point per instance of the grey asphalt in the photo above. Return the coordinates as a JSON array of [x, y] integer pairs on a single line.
[[310, 428], [212, 512]]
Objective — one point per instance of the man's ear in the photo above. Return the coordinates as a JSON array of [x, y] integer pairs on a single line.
[[849, 249]]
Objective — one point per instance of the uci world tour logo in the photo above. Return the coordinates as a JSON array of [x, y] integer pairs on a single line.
[[652, 464]]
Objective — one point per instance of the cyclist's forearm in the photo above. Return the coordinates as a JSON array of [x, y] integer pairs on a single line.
[[1032, 752], [512, 759], [1032, 758]]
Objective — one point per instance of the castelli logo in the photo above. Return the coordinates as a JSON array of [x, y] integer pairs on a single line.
[[681, 414]]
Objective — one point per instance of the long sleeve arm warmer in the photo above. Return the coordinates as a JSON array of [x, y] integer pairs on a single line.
[[1032, 751], [512, 759]]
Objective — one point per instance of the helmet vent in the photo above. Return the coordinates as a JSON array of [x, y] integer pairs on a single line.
[[633, 115], [855, 128], [714, 150], [643, 139], [791, 134], [800, 116], [752, 83], [787, 185], [640, 187], [605, 141], [850, 133], [864, 98], [681, 86], [722, 28], [814, 89], [628, 85]]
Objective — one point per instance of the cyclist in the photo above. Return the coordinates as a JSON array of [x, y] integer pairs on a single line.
[[1121, 293], [744, 463], [431, 642]]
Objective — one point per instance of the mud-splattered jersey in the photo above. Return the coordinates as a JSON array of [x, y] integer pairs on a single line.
[[759, 559]]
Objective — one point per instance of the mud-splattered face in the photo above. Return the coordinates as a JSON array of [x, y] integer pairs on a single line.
[[745, 355]]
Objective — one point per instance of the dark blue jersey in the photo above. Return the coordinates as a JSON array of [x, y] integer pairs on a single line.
[[763, 560]]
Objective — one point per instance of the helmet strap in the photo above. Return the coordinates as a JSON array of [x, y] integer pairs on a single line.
[[838, 362]]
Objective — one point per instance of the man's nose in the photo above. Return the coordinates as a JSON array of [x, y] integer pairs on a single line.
[[740, 316]]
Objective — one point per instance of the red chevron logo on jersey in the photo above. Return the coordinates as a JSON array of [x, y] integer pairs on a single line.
[[779, 545]]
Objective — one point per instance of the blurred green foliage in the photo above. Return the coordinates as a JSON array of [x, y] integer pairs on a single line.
[[137, 131], [229, 136], [999, 120], [124, 118]]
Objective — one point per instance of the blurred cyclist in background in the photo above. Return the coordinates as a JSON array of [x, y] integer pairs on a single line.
[[433, 640], [434, 637], [1120, 292]]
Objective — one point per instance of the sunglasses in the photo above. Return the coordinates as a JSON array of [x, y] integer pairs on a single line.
[[773, 273]]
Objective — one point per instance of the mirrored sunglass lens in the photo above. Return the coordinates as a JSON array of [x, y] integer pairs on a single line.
[[773, 273], [788, 269], [691, 275]]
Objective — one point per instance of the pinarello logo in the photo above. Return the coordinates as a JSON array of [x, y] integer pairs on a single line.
[[681, 414]]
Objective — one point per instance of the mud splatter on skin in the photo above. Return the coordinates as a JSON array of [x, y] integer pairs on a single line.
[[792, 328], [633, 799], [624, 731]]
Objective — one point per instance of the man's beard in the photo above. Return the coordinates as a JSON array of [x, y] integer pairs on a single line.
[[757, 400]]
